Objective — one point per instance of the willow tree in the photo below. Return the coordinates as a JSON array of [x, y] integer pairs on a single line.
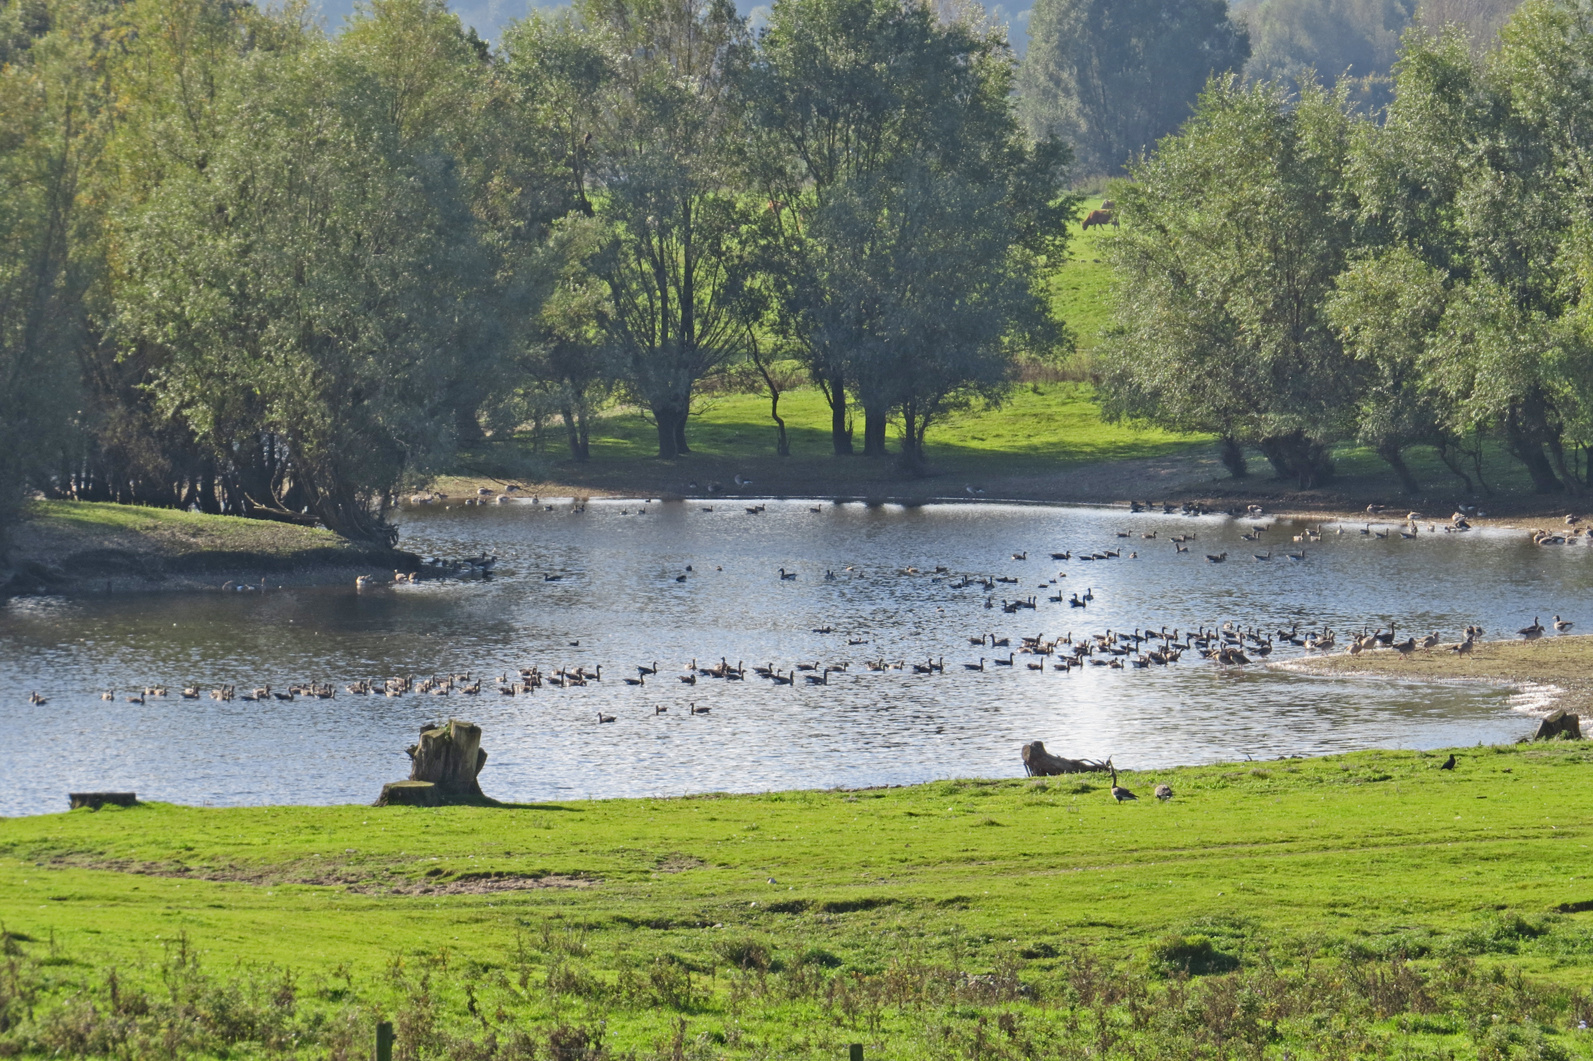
[[1233, 233], [309, 281], [1480, 173]]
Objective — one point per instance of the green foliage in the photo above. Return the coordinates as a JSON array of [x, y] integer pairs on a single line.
[[1114, 77], [1235, 231], [909, 215], [1353, 42], [51, 131]]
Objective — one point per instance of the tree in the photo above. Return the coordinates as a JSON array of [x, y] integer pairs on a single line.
[[1233, 234], [1113, 77], [1480, 171], [1385, 307], [51, 132], [889, 151], [670, 172], [307, 284], [1296, 42]]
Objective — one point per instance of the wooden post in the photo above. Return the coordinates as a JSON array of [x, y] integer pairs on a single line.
[[857, 1052], [384, 1041]]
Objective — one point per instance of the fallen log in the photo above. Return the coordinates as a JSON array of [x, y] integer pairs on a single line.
[[1037, 762], [96, 800]]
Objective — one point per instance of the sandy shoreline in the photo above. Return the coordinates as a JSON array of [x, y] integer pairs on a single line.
[[1559, 669]]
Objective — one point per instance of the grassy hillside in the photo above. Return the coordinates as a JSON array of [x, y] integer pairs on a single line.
[[1350, 906]]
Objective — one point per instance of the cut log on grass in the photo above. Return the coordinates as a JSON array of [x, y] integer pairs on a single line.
[[450, 757], [409, 794], [96, 800], [1559, 724], [1040, 763]]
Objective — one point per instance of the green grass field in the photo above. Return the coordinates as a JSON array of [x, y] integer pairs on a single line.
[[1349, 906], [172, 529]]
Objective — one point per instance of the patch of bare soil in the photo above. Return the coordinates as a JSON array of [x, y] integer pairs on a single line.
[[335, 876], [476, 884]]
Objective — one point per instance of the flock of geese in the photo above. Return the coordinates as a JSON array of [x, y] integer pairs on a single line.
[[1225, 645]]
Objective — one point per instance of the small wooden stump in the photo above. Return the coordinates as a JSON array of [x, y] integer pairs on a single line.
[[1040, 763], [96, 800], [409, 794], [1559, 724]]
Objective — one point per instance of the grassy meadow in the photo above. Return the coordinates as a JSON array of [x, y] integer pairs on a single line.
[[1350, 906]]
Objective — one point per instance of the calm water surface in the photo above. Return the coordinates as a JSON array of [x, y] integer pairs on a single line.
[[619, 599]]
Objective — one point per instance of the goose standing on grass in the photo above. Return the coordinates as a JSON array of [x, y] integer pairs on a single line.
[[1119, 793], [1533, 632], [1164, 792], [1561, 625]]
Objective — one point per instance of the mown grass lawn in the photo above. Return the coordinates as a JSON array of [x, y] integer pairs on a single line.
[[791, 923]]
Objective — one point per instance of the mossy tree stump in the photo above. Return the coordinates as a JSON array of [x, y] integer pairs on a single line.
[[450, 757]]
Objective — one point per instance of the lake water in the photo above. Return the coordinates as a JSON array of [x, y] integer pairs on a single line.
[[617, 595]]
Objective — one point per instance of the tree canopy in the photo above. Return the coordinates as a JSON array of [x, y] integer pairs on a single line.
[[1113, 77]]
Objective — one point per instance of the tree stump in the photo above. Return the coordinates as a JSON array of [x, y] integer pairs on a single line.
[[450, 757], [1559, 724], [409, 794], [1038, 762]]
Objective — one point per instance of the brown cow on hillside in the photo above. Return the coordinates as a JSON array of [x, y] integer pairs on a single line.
[[1100, 217]]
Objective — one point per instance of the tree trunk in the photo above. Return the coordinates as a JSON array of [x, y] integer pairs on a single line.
[[1300, 457], [668, 436], [680, 434], [1232, 455], [1526, 445], [450, 757], [1272, 449], [1392, 453], [782, 444], [834, 387], [467, 424], [875, 419], [575, 430], [1567, 476], [1446, 448]]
